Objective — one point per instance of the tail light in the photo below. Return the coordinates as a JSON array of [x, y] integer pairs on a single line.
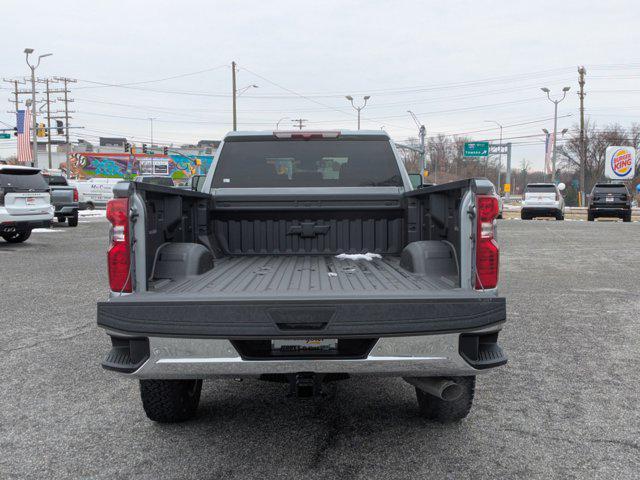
[[119, 254], [75, 194], [487, 252]]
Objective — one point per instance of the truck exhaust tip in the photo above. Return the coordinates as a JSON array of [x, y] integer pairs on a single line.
[[447, 390]]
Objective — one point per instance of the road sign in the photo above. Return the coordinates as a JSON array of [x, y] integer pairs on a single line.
[[476, 149], [507, 188], [5, 135]]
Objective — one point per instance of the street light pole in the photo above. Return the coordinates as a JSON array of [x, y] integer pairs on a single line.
[[358, 109], [499, 153], [422, 134], [236, 93], [555, 126], [278, 122], [34, 124]]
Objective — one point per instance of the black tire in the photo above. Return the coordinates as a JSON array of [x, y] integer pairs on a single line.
[[559, 216], [60, 219], [170, 401], [627, 217], [524, 216], [90, 206], [73, 221], [17, 237], [433, 408], [590, 217]]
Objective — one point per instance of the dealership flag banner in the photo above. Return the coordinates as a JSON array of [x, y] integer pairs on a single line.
[[24, 146]]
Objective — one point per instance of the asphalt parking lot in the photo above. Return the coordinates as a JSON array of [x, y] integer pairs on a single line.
[[566, 405]]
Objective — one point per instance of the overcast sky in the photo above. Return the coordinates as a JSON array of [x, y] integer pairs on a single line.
[[454, 63]]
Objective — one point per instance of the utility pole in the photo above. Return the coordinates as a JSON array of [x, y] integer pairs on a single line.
[[65, 90], [48, 125], [583, 150], [507, 194], [300, 122], [235, 92], [16, 92], [422, 135], [151, 119]]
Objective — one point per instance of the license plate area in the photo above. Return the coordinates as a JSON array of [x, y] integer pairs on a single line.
[[609, 199], [298, 346], [31, 200]]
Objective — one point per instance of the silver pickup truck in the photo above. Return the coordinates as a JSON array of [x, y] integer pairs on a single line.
[[306, 257], [64, 198]]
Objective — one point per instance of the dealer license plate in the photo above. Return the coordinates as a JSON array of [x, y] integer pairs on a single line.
[[31, 200], [304, 345]]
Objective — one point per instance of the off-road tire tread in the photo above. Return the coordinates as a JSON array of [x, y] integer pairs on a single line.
[[433, 408], [169, 401]]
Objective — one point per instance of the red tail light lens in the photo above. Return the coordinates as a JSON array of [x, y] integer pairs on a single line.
[[119, 254], [75, 194], [487, 251]]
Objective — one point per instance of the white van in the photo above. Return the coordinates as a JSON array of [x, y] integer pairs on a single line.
[[95, 192]]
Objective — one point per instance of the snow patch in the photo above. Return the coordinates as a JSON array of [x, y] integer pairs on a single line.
[[358, 256], [92, 213], [46, 230]]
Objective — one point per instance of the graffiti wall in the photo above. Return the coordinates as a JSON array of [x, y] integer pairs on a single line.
[[121, 165]]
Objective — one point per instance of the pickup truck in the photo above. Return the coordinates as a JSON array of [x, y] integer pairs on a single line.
[[64, 198], [306, 257]]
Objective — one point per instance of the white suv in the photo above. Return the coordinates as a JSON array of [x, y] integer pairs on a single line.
[[25, 203], [543, 200]]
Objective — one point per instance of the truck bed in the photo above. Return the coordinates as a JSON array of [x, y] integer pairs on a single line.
[[305, 275]]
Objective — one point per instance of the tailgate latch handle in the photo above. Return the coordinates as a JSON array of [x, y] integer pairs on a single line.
[[302, 326]]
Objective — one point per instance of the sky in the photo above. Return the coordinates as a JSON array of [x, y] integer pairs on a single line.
[[455, 64]]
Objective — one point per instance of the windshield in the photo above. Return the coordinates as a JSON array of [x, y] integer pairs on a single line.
[[306, 163], [540, 189], [22, 179]]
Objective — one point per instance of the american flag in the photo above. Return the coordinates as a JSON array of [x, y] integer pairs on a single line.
[[24, 145]]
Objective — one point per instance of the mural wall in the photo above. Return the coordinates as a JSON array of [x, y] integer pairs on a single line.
[[122, 165]]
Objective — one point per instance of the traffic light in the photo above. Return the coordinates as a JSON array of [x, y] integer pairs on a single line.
[[165, 150], [15, 131], [144, 148], [127, 147], [41, 131], [60, 127]]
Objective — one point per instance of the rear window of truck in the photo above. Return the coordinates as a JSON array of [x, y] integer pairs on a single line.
[[306, 163], [17, 178], [55, 180], [540, 189]]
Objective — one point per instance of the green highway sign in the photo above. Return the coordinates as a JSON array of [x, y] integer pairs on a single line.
[[5, 135], [476, 149]]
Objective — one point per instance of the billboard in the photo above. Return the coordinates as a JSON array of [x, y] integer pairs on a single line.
[[120, 165], [620, 163]]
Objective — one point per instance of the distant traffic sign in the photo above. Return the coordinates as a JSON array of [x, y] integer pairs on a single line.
[[5, 135], [476, 149]]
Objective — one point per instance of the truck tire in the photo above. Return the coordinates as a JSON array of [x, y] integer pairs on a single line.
[[627, 217], [17, 237], [434, 408], [73, 221], [170, 401], [60, 219], [524, 216], [559, 216], [590, 217]]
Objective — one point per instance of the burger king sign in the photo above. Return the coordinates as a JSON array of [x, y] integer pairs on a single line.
[[620, 163]]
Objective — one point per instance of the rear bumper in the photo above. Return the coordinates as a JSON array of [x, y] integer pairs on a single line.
[[66, 210], [13, 227], [610, 210], [423, 356], [547, 211]]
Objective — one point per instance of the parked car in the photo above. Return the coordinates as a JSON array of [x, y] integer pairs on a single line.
[[543, 200], [65, 199], [94, 192], [155, 180], [322, 263], [25, 202], [609, 200]]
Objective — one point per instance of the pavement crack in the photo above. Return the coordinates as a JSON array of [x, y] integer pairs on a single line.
[[85, 329], [625, 443]]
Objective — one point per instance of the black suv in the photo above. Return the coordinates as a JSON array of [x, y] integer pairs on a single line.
[[609, 200]]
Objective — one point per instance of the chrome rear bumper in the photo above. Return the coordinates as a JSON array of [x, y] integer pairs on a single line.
[[195, 358]]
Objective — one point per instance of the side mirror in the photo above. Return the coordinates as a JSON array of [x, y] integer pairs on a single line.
[[561, 186], [416, 180], [196, 182]]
